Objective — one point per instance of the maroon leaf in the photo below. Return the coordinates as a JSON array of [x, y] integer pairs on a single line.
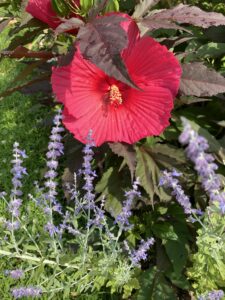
[[101, 42], [188, 14], [69, 24], [44, 78], [143, 7], [21, 52], [66, 59], [198, 80], [127, 152], [151, 23]]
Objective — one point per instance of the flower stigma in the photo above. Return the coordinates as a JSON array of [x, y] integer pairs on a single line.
[[115, 97]]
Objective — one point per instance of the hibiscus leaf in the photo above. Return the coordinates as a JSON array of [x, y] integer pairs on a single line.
[[151, 160], [198, 80], [143, 7], [42, 80], [66, 59], [151, 23], [21, 52], [101, 42], [127, 152], [148, 172], [189, 14], [109, 187], [69, 24]]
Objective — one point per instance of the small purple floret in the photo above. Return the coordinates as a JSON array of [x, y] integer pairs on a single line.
[[141, 252], [29, 291]]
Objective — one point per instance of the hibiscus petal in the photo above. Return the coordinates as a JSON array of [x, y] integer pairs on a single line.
[[79, 86], [42, 10], [143, 114], [86, 91], [150, 109], [153, 63], [133, 35]]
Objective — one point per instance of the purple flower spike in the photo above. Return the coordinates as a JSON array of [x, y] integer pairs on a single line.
[[213, 295], [55, 150], [18, 172], [196, 147], [169, 181], [141, 252], [87, 172], [123, 218], [30, 291], [15, 274]]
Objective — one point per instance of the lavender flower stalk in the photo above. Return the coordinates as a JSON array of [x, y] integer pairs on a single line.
[[88, 173], [169, 180], [55, 150], [203, 162], [34, 292], [141, 253], [123, 218], [213, 295], [18, 172], [15, 274]]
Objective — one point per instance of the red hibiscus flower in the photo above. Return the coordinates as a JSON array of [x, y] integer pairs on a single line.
[[114, 111], [42, 10]]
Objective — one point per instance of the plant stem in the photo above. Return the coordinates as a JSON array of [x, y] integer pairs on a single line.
[[36, 259]]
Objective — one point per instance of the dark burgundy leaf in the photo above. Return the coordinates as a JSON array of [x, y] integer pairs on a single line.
[[69, 24], [187, 100], [65, 60], [188, 14], [143, 7], [37, 86], [127, 152], [27, 71], [21, 52], [101, 42], [42, 80], [151, 23], [200, 81]]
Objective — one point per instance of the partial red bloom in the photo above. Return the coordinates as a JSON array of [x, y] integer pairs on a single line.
[[114, 111], [42, 10]]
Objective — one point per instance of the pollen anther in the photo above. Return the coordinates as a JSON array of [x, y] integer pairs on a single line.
[[115, 97]]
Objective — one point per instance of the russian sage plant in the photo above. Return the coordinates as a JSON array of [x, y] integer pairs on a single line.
[[64, 249], [208, 269]]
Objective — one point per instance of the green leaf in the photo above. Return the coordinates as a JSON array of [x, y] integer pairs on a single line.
[[154, 286], [178, 254], [60, 7], [211, 50], [86, 5], [127, 152], [149, 163], [164, 230], [113, 5], [109, 186]]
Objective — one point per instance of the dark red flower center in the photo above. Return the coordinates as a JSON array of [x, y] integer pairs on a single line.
[[115, 96]]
